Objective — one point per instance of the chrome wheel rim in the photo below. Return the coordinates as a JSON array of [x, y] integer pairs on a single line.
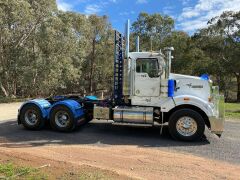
[[186, 126], [62, 119], [31, 117]]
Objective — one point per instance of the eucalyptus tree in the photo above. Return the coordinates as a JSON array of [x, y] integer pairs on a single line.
[[99, 57], [152, 29], [222, 39], [19, 20]]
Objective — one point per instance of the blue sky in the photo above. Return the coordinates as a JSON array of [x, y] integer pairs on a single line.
[[189, 15]]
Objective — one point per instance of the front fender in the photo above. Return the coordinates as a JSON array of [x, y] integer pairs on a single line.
[[195, 101]]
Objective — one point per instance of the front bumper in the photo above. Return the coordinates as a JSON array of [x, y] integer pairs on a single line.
[[217, 125], [217, 121]]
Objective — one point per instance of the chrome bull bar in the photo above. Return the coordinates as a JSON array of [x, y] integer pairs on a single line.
[[217, 120]]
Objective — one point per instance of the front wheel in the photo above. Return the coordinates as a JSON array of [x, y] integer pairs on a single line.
[[186, 125]]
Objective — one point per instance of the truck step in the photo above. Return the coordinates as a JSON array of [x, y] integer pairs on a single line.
[[132, 124]]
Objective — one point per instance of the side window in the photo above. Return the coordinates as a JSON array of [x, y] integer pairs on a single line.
[[149, 66]]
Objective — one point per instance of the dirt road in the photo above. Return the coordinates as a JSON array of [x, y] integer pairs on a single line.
[[127, 152], [9, 111]]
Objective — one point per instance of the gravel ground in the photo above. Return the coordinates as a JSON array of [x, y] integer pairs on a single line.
[[99, 133]]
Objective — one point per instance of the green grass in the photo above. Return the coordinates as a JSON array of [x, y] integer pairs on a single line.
[[11, 171], [93, 175], [89, 173], [233, 110]]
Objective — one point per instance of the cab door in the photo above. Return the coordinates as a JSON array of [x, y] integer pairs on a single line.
[[147, 78]]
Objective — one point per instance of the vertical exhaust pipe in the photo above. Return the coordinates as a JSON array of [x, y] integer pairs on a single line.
[[169, 60], [137, 44], [127, 39]]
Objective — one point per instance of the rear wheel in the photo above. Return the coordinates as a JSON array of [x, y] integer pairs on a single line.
[[31, 117], [186, 125], [61, 119]]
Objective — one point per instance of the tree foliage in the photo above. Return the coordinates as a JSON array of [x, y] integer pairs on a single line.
[[221, 43], [152, 29], [44, 51]]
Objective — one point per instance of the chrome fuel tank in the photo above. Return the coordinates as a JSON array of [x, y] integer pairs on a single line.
[[141, 115]]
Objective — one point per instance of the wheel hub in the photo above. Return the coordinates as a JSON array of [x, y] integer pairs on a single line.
[[31, 117], [186, 126], [62, 119]]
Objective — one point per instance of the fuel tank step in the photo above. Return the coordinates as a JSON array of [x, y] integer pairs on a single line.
[[132, 124]]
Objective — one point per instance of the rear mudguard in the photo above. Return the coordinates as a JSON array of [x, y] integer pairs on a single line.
[[42, 104], [76, 109], [46, 107]]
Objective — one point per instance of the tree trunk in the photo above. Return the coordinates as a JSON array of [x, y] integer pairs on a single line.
[[6, 94], [238, 87], [92, 66]]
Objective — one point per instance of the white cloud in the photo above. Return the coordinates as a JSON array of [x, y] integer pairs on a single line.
[[63, 6], [92, 9], [195, 17], [193, 25], [97, 7], [142, 1], [168, 10]]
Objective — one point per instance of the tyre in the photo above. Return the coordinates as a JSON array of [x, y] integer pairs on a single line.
[[31, 117], [62, 119], [186, 125]]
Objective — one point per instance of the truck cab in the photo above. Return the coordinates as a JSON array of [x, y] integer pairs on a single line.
[[152, 95], [145, 78]]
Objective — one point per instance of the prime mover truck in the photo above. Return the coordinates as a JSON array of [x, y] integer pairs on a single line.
[[146, 94]]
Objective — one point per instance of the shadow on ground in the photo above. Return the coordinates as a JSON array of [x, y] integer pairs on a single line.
[[94, 133]]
